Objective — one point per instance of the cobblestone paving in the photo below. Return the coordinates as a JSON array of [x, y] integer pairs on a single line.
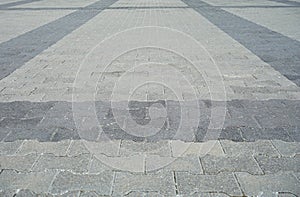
[[64, 130]]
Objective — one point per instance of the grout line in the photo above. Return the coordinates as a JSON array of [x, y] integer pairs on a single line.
[[112, 183], [52, 181], [201, 165], [256, 161], [18, 149], [69, 147], [176, 184], [239, 185], [271, 141]]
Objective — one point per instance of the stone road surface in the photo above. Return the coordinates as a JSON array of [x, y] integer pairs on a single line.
[[150, 98]]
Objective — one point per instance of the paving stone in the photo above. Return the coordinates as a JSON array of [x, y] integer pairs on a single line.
[[18, 163], [268, 185], [181, 149], [145, 193], [9, 148], [75, 164], [3, 134], [24, 109], [261, 147], [134, 163], [7, 192], [89, 194], [12, 123], [55, 148], [223, 183], [156, 163], [286, 194], [25, 192], [162, 183], [253, 134], [230, 133], [294, 133], [297, 175], [210, 194], [287, 148], [277, 164], [108, 148], [67, 181], [161, 148], [97, 166], [215, 165], [61, 133], [76, 148], [33, 133], [38, 182], [239, 116]]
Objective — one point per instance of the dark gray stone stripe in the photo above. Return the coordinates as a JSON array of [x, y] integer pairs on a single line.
[[16, 52], [7, 5], [245, 120], [292, 3], [281, 52]]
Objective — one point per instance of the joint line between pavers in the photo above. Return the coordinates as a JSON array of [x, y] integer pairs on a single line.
[[52, 181], [239, 185], [112, 183]]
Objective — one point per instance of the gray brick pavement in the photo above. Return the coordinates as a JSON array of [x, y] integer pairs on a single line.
[[53, 121], [12, 4], [259, 40], [17, 51], [256, 153]]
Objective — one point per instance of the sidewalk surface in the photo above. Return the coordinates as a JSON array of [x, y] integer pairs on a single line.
[[150, 98]]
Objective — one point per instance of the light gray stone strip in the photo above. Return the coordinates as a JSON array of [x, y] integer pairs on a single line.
[[288, 2], [12, 4], [17, 51], [281, 52], [147, 7]]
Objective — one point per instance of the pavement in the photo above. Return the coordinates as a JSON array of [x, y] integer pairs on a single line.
[[150, 98]]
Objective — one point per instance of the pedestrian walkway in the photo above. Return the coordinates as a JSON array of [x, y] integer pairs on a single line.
[[149, 98]]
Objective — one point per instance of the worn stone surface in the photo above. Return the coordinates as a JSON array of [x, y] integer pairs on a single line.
[[98, 166], [55, 148], [18, 163], [215, 165], [262, 147], [9, 148], [223, 183], [67, 181], [162, 183], [287, 148], [161, 148], [181, 164], [180, 148], [75, 164], [268, 185], [38, 182], [277, 164]]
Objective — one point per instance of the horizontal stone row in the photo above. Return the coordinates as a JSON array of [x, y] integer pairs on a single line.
[[244, 120], [172, 148], [157, 184], [163, 168]]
